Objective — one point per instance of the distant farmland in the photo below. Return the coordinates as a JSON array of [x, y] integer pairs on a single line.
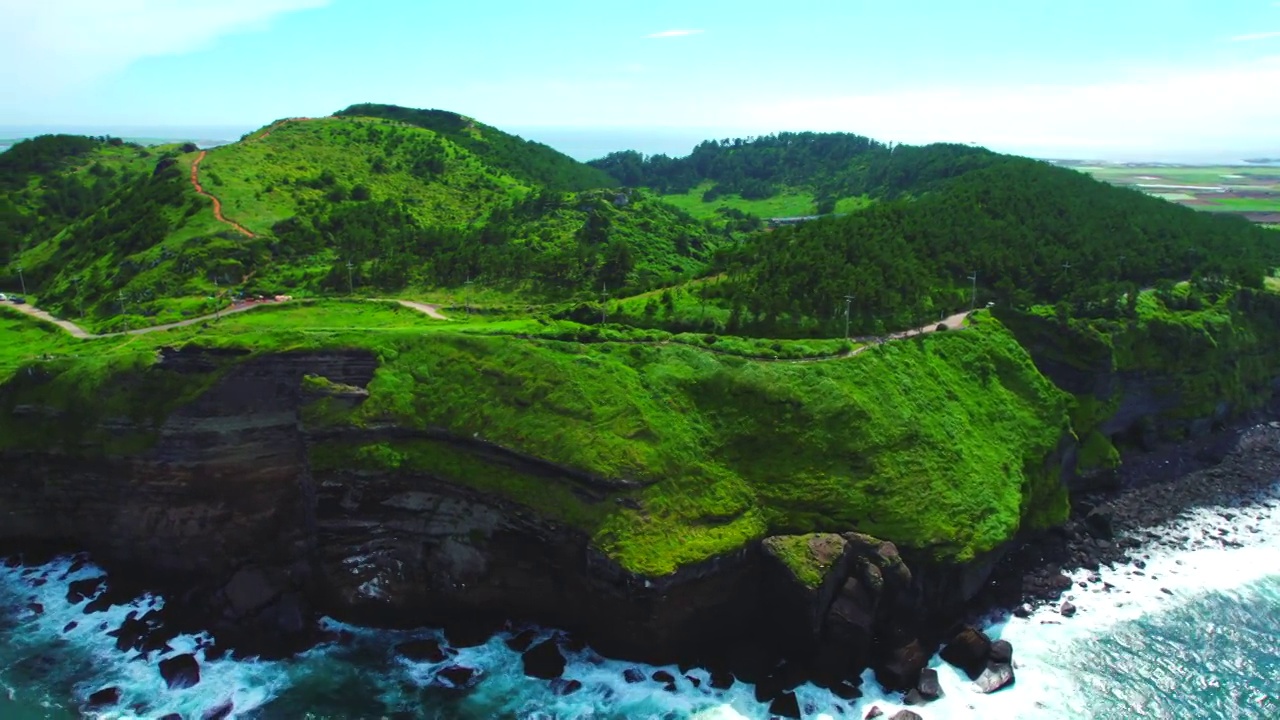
[[1251, 191]]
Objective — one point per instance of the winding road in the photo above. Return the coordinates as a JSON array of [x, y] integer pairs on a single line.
[[432, 311], [954, 322]]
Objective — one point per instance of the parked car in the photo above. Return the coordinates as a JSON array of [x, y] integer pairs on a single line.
[[17, 300], [3, 297]]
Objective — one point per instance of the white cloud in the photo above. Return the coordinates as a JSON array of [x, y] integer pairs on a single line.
[[47, 46], [1255, 36], [672, 34], [1201, 109]]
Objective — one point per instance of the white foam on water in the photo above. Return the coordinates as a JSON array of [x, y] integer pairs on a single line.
[[143, 691], [1047, 683]]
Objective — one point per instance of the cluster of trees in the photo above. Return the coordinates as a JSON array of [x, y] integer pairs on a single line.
[[554, 244], [527, 160], [58, 198], [832, 165], [1032, 233]]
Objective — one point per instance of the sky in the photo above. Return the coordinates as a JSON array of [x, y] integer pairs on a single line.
[[1111, 79]]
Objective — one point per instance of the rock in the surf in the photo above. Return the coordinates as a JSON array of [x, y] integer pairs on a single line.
[[182, 671], [968, 650], [995, 677], [544, 661]]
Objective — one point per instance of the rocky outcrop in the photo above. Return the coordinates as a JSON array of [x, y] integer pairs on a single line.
[[227, 506]]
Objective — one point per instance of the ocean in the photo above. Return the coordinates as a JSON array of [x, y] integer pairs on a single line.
[[1192, 632]]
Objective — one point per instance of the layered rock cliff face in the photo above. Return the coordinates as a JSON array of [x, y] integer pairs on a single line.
[[228, 505]]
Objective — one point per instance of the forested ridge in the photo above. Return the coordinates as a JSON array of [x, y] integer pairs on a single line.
[[1032, 233], [50, 181], [831, 165]]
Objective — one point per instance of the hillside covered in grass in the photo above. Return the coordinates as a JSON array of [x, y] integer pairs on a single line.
[[708, 451], [351, 204], [49, 182]]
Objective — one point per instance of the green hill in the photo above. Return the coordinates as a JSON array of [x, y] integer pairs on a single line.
[[51, 181], [530, 161], [790, 174], [1032, 233], [406, 205]]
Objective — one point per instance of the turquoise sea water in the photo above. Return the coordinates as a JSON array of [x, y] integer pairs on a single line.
[[1193, 634]]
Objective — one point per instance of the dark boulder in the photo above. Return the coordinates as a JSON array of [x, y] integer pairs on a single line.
[[928, 685], [913, 697], [1100, 522], [428, 650], [563, 687], [1001, 652], [220, 712], [901, 669], [521, 641], [905, 715], [456, 677], [721, 680], [785, 705], [544, 661], [1067, 610], [874, 713], [182, 671], [995, 677], [968, 650], [663, 677], [633, 676], [104, 698], [82, 590]]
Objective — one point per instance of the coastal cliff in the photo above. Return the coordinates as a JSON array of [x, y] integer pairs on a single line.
[[275, 487]]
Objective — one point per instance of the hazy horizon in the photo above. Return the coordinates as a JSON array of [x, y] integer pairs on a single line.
[[590, 143], [1092, 79]]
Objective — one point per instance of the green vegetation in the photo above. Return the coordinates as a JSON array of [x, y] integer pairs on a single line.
[[690, 381], [835, 169], [51, 181], [1033, 234], [798, 554], [352, 204]]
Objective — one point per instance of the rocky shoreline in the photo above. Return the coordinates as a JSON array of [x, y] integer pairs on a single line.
[[1229, 469]]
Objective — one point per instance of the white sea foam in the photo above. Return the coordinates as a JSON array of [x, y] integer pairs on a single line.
[[1048, 682], [144, 693]]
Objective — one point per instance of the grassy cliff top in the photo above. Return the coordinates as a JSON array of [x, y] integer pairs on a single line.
[[937, 443]]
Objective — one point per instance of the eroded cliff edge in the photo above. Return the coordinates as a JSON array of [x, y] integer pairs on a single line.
[[265, 486]]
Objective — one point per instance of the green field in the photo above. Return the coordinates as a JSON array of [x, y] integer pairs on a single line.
[[787, 203], [1205, 186]]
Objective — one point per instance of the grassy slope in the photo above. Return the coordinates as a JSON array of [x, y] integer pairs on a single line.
[[294, 169], [787, 203], [730, 449], [263, 181]]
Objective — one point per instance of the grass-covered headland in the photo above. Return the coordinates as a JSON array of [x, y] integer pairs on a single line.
[[705, 380]]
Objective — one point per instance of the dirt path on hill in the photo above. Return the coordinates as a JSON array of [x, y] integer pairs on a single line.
[[432, 311], [954, 322], [217, 204], [79, 332]]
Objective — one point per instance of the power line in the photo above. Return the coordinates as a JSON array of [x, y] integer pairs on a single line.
[[848, 300]]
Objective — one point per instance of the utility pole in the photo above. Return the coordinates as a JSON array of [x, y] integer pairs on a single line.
[[22, 281], [123, 313], [973, 298], [604, 302], [466, 294], [848, 300], [217, 306], [351, 284]]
